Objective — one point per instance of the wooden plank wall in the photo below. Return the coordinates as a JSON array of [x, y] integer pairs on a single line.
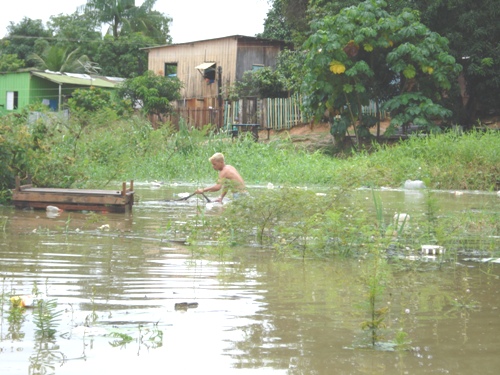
[[221, 51]]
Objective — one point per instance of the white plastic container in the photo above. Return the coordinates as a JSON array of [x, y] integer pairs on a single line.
[[414, 184]]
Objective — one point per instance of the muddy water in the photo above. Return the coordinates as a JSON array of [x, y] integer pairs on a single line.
[[116, 291]]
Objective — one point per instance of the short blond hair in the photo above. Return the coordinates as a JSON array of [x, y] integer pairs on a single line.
[[217, 156]]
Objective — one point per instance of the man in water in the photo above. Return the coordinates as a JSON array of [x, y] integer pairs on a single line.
[[229, 179]]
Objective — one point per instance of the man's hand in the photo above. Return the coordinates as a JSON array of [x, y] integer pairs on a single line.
[[199, 191]]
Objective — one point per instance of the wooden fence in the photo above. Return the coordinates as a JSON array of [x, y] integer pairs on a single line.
[[276, 114]]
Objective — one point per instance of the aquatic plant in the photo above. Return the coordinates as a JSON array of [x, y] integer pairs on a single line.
[[46, 318], [122, 339], [3, 222], [375, 283]]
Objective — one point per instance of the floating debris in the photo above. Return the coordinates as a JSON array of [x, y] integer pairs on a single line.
[[185, 305], [156, 184], [23, 301], [414, 184], [53, 211], [433, 249], [482, 260]]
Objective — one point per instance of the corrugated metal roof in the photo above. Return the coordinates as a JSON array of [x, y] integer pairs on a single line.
[[84, 80], [242, 37]]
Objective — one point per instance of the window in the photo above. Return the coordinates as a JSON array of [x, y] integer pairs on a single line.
[[12, 100], [256, 67], [209, 75], [207, 70], [170, 69]]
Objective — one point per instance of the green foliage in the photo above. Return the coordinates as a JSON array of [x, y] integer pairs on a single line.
[[23, 36], [91, 100], [79, 27], [58, 59], [17, 149], [261, 83], [10, 63], [275, 24], [124, 17], [473, 34], [152, 93], [375, 280], [123, 57], [118, 54], [100, 147], [365, 53], [46, 318], [111, 12], [289, 68]]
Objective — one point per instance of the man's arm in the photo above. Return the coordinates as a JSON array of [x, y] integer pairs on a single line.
[[215, 187]]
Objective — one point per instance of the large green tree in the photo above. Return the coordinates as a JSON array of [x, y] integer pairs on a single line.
[[21, 37], [123, 57], [124, 17], [275, 24], [110, 12], [366, 54], [76, 30], [473, 31], [70, 41]]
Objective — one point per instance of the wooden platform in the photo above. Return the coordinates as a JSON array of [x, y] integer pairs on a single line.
[[74, 199]]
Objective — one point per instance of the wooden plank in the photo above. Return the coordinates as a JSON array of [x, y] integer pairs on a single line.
[[76, 207], [82, 199], [75, 199], [71, 191]]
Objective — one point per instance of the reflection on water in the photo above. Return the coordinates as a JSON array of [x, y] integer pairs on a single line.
[[119, 282]]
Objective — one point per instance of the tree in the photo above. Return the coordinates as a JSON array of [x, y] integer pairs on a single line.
[[275, 25], [111, 12], [77, 30], [22, 37], [152, 93], [123, 57], [58, 59], [10, 63], [123, 17], [366, 54], [473, 31], [150, 23]]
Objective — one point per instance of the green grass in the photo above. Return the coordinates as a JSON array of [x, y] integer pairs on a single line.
[[72, 155]]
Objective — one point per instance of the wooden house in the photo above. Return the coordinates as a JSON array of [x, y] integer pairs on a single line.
[[207, 68], [19, 89]]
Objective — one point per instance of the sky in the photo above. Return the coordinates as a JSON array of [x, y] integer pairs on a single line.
[[192, 19]]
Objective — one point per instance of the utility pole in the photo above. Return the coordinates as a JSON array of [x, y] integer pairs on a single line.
[[219, 97]]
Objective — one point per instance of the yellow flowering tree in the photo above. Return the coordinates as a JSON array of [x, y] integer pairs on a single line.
[[365, 54]]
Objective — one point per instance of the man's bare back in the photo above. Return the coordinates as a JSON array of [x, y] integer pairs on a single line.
[[229, 172]]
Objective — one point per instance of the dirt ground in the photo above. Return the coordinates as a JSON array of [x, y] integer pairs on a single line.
[[319, 134], [310, 134]]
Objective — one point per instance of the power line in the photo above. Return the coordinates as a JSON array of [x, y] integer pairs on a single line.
[[76, 40]]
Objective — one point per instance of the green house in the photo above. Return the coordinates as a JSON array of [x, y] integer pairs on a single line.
[[19, 89]]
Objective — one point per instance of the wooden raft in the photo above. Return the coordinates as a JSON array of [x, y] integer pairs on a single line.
[[74, 199]]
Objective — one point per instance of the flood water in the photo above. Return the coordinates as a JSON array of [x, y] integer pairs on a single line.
[[116, 291]]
